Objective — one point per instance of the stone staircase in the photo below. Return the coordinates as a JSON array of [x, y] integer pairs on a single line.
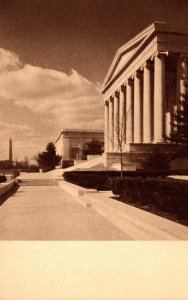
[[36, 179]]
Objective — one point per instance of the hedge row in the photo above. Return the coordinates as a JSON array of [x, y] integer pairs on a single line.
[[166, 195], [14, 172], [94, 179], [88, 180], [99, 179]]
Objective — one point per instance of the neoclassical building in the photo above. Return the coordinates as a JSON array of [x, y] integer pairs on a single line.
[[71, 143], [141, 92]]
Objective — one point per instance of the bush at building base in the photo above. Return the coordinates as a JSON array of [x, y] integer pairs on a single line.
[[163, 194]]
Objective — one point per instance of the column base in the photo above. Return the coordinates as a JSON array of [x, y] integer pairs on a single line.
[[149, 147], [159, 142], [147, 142]]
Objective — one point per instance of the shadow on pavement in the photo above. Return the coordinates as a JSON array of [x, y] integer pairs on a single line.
[[7, 195]]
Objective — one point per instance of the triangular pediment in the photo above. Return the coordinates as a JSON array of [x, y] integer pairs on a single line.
[[124, 58], [127, 53]]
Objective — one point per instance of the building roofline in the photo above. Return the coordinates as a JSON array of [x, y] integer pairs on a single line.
[[66, 130], [141, 36]]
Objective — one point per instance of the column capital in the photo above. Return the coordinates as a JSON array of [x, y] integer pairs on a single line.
[[137, 74], [117, 92], [160, 54], [113, 96], [147, 65], [105, 99], [123, 87], [128, 82]]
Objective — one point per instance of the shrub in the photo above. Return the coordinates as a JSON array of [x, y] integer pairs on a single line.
[[67, 163], [15, 172], [95, 147], [3, 178], [166, 195], [5, 164], [116, 185], [47, 160], [33, 168]]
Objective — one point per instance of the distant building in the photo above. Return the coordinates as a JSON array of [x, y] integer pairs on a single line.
[[141, 92], [71, 143]]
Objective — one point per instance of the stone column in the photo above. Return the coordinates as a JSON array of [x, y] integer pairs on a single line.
[[138, 108], [122, 116], [182, 79], [116, 121], [106, 125], [111, 125], [66, 148], [167, 123], [159, 98], [129, 111], [183, 70], [147, 104]]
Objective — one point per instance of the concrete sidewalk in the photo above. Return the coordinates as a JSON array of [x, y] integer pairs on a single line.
[[47, 213], [127, 222], [137, 223]]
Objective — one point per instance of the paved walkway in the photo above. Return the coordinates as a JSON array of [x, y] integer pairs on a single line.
[[49, 213], [54, 213]]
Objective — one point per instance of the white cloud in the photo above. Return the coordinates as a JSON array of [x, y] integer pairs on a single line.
[[10, 127], [9, 61], [47, 99]]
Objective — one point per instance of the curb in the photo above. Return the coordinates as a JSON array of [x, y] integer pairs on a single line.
[[142, 224], [139, 224], [75, 189]]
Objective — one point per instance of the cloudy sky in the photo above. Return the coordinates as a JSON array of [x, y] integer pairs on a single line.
[[54, 55]]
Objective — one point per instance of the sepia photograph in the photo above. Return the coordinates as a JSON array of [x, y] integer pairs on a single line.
[[93, 149]]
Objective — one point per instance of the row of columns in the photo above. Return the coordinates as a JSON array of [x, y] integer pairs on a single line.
[[136, 112]]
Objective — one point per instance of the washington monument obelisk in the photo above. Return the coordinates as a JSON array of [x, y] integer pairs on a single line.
[[10, 149]]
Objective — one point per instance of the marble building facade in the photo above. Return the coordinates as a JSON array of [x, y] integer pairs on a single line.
[[141, 92], [72, 142]]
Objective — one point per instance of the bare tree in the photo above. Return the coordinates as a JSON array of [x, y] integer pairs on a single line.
[[26, 162], [118, 138], [120, 133]]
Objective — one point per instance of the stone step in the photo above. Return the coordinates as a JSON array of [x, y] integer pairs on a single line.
[[36, 179], [37, 182]]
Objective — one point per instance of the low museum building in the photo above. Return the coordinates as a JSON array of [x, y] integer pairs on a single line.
[[141, 92], [71, 143]]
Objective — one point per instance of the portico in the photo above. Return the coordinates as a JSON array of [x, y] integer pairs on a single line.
[[142, 88]]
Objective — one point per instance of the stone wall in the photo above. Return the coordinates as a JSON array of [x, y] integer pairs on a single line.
[[139, 157]]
